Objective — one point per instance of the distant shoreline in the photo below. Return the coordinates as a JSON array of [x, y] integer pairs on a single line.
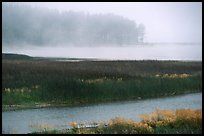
[[19, 56]]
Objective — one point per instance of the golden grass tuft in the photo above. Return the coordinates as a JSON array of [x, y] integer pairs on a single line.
[[189, 115], [119, 120], [166, 116], [73, 124], [184, 75]]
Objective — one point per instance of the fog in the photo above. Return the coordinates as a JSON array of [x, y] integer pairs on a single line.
[[141, 52], [164, 21], [112, 30]]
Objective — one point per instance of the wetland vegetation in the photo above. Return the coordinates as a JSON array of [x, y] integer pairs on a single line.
[[180, 121], [34, 82]]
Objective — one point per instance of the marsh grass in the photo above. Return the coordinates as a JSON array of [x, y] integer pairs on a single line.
[[180, 121], [75, 92], [29, 81]]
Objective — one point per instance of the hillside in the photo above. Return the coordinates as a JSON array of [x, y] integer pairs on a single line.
[[11, 56]]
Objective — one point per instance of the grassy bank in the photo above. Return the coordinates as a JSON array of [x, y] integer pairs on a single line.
[[181, 121], [71, 83]]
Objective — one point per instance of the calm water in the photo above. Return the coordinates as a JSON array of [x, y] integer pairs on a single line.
[[134, 52], [22, 121]]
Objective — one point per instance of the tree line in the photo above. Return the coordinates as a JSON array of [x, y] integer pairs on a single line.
[[41, 26]]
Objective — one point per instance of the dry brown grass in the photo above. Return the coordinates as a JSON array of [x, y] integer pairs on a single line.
[[158, 115], [73, 124], [189, 115], [184, 75], [181, 121]]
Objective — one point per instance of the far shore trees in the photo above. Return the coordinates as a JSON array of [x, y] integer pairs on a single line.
[[37, 26]]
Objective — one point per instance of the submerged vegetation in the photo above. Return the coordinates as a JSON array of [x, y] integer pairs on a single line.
[[51, 82], [180, 121]]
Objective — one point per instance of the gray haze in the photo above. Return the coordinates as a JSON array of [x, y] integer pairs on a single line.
[[164, 21], [140, 52], [46, 27], [112, 30]]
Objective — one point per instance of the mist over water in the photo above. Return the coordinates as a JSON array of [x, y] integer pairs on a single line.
[[136, 52], [112, 31]]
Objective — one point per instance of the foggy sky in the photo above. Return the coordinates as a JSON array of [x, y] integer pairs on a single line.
[[164, 21]]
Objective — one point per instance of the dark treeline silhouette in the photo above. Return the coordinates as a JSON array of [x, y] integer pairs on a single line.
[[39, 26], [11, 56]]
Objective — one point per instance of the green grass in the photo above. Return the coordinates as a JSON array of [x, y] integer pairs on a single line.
[[31, 81]]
